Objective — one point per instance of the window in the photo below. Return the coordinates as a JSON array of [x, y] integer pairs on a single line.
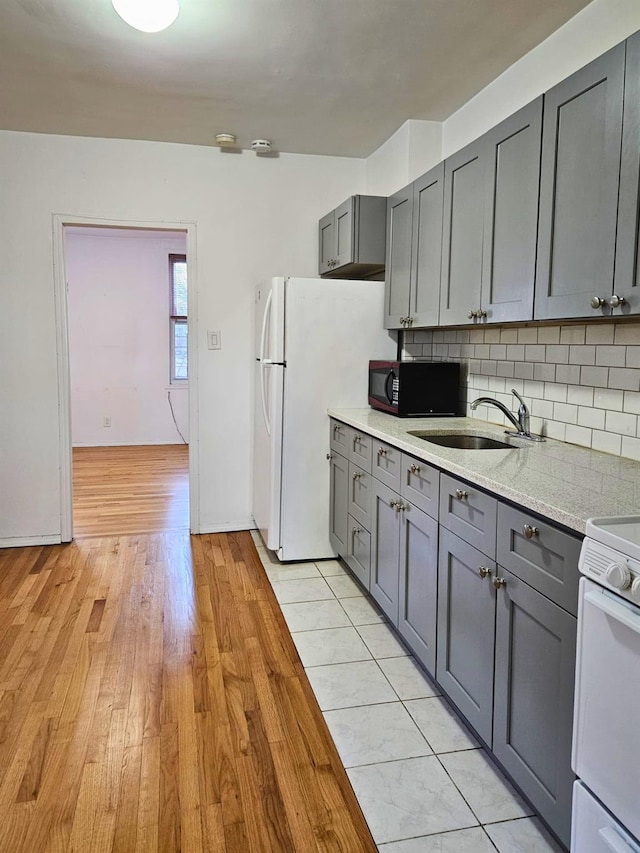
[[178, 297]]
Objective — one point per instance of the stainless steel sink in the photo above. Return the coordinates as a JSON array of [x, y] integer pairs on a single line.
[[462, 440]]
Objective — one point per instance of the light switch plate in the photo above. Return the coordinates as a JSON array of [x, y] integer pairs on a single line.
[[213, 340]]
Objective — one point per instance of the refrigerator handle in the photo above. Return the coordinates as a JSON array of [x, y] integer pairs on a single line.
[[265, 322], [265, 414]]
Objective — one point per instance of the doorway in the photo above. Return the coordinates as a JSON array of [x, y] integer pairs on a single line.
[[128, 374]]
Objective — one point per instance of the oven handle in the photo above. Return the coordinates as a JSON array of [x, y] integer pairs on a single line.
[[618, 610], [615, 842]]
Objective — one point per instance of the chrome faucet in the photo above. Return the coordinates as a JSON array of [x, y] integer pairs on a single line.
[[521, 423]]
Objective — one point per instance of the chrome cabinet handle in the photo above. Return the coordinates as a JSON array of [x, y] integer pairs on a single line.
[[461, 495], [382, 451], [530, 531], [400, 507], [617, 301], [335, 429], [356, 439], [329, 455], [472, 315], [598, 302], [355, 531], [484, 572], [357, 475], [393, 504], [415, 469], [481, 313], [498, 582]]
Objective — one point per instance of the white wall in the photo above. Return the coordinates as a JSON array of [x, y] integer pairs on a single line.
[[255, 217], [119, 337], [412, 150], [598, 27]]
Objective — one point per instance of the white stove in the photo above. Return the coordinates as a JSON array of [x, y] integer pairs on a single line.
[[606, 751]]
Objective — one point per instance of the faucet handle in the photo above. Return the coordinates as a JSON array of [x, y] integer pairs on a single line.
[[518, 397], [523, 414]]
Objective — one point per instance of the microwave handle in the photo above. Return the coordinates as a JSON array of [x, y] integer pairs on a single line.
[[386, 386]]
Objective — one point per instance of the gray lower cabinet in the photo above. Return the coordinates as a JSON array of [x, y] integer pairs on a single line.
[[358, 556], [418, 584], [351, 239], [466, 630], [533, 701], [385, 542], [338, 503], [581, 143]]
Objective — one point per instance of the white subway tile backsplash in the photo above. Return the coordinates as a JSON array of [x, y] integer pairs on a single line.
[[626, 378], [572, 334], [582, 354], [581, 382], [580, 394], [622, 423], [549, 334], [603, 398]]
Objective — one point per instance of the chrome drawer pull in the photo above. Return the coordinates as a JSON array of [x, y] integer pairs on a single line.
[[461, 495], [415, 469], [357, 475], [356, 530], [329, 455], [498, 582], [484, 572], [393, 504], [382, 451], [530, 531]]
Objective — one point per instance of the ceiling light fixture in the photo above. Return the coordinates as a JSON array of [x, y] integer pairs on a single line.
[[225, 140], [148, 16]]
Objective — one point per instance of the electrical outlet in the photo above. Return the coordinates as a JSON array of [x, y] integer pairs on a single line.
[[106, 422]]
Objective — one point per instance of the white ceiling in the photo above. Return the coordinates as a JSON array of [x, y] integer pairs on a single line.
[[314, 76]]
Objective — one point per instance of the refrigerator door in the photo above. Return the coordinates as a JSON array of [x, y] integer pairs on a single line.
[[333, 328], [267, 451], [267, 408]]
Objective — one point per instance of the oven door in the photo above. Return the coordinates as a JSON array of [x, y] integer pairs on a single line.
[[606, 747]]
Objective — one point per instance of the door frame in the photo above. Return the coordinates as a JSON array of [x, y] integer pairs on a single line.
[[59, 221]]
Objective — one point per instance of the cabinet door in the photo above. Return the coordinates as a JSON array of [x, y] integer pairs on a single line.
[[469, 512], [398, 261], [426, 255], [360, 448], [512, 190], [581, 141], [338, 503], [385, 541], [420, 485], [360, 495], [535, 663], [462, 232], [466, 631], [340, 437], [627, 277], [344, 235], [327, 243], [359, 552], [418, 595]]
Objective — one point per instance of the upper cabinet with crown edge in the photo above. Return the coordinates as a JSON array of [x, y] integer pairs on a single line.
[[351, 239]]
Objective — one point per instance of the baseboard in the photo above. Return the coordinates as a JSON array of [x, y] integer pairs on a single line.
[[124, 443], [26, 541], [227, 526]]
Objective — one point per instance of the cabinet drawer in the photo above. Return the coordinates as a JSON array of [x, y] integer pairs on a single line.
[[340, 438], [541, 555], [420, 485], [360, 448], [359, 552], [469, 513], [360, 495], [387, 464]]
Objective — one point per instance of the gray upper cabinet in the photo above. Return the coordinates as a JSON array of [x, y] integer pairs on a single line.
[[414, 252], [462, 234], [398, 263], [351, 239], [581, 144], [627, 274], [426, 252], [512, 189], [535, 663]]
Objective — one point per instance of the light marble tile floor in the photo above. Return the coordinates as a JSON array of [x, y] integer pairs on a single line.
[[422, 780]]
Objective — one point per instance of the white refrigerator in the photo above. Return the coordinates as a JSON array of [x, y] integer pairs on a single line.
[[314, 339]]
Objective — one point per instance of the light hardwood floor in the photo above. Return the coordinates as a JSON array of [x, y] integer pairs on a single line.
[[151, 699], [119, 490]]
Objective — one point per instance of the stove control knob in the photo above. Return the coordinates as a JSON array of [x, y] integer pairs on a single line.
[[618, 575], [635, 589]]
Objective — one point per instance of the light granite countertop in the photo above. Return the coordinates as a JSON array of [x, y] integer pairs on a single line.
[[563, 482]]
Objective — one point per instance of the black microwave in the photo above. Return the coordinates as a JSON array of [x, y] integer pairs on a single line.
[[415, 388]]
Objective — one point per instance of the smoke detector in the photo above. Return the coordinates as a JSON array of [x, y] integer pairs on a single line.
[[225, 140], [261, 146]]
